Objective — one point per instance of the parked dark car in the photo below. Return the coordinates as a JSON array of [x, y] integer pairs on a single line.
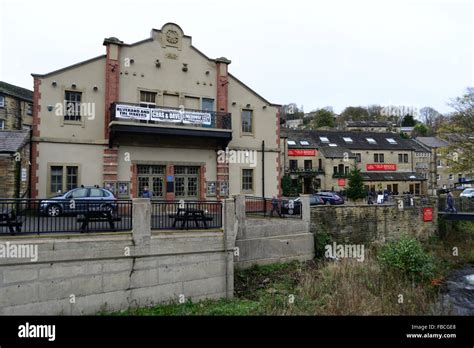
[[77, 201], [331, 198], [296, 210]]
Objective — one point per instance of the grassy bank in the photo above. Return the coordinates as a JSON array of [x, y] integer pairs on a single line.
[[344, 287]]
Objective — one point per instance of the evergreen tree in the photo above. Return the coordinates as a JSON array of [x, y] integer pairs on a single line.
[[355, 185]]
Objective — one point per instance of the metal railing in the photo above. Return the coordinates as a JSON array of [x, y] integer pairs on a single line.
[[269, 207], [172, 215], [461, 205], [42, 216], [219, 120]]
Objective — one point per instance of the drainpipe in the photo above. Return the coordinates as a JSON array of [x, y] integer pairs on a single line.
[[263, 168]]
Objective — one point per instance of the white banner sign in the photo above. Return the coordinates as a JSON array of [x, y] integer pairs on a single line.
[[162, 115]]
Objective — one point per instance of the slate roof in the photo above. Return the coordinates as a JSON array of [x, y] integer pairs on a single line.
[[359, 141], [373, 124], [392, 176], [12, 141], [15, 91], [432, 142]]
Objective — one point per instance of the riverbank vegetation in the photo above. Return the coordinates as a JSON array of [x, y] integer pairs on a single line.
[[403, 277]]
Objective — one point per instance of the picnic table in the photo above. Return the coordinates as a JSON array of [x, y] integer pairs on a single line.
[[189, 214], [97, 215], [9, 219]]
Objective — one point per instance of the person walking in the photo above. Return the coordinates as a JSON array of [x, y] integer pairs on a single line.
[[450, 202], [275, 206]]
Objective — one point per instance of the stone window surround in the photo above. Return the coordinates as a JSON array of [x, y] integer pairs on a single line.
[[64, 166], [83, 100], [242, 181]]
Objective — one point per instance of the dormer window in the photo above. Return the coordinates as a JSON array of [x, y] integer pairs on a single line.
[[291, 142], [348, 140], [371, 140], [304, 143], [324, 139], [392, 141]]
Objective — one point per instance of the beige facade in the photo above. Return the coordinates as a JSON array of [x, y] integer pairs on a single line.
[[164, 71]]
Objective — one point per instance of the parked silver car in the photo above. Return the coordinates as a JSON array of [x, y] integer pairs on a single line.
[[467, 193]]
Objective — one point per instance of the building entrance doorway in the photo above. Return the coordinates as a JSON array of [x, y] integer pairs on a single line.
[[152, 177]]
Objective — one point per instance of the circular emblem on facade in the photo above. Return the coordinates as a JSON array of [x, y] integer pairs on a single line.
[[172, 36]]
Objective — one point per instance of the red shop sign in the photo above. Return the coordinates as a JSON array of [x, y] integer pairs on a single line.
[[382, 167], [427, 214], [294, 152], [341, 182]]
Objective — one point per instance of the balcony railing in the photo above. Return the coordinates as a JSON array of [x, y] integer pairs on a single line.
[[340, 175], [169, 116]]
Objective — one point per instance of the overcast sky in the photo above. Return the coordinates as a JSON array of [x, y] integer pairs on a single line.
[[313, 53]]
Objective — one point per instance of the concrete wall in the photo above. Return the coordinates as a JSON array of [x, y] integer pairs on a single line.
[[272, 240], [99, 273], [364, 224]]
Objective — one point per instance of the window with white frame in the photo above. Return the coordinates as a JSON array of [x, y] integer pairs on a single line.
[[324, 139], [2, 101], [348, 140], [371, 141]]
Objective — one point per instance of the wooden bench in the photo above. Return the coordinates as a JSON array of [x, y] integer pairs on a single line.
[[9, 219], [97, 216], [185, 215]]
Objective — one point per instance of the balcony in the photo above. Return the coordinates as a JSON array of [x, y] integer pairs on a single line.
[[340, 175], [169, 124]]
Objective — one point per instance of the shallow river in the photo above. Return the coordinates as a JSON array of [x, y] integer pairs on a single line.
[[460, 291]]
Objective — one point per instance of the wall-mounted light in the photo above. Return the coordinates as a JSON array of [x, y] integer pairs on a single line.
[[234, 103], [96, 88], [264, 107], [50, 108], [157, 63], [248, 105], [132, 61], [54, 84], [185, 67], [208, 72], [74, 85]]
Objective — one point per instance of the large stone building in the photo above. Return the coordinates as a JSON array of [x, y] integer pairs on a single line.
[[16, 118], [16, 107], [441, 174], [14, 164], [153, 113], [321, 160]]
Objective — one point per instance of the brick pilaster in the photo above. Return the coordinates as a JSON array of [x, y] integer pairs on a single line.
[[222, 105], [110, 164], [278, 164], [134, 181], [35, 132]]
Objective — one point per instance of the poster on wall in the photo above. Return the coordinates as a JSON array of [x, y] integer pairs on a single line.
[[427, 214], [139, 113]]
